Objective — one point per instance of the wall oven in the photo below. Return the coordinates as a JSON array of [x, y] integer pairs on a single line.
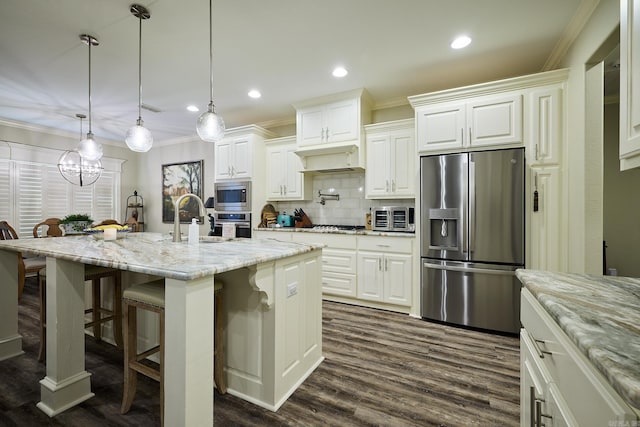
[[233, 196], [240, 220]]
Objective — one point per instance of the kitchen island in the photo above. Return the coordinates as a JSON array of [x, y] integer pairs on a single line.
[[580, 344], [272, 304]]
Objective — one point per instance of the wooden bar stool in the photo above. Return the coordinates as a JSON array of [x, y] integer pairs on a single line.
[[99, 313], [150, 296]]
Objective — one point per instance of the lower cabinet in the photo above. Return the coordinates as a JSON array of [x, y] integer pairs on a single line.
[[559, 386], [374, 271]]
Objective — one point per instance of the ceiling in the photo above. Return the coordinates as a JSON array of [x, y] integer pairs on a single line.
[[284, 48]]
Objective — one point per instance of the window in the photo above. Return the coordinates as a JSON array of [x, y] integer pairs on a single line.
[[36, 190]]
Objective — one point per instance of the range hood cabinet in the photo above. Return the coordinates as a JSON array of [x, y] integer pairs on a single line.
[[331, 159]]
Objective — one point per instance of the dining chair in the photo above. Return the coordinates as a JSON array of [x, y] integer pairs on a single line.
[[50, 228], [26, 265]]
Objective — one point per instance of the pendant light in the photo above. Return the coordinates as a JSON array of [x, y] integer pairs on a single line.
[[210, 126], [138, 137], [77, 170], [88, 148]]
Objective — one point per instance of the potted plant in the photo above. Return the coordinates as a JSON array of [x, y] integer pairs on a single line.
[[75, 223]]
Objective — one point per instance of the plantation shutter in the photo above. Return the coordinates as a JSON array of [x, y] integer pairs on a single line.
[[56, 194], [5, 191], [103, 200], [29, 197]]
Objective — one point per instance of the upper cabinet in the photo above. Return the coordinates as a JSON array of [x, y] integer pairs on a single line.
[[284, 179], [516, 112], [235, 153], [390, 160], [629, 84], [477, 122], [329, 130]]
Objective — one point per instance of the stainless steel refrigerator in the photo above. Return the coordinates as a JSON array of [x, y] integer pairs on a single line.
[[472, 238]]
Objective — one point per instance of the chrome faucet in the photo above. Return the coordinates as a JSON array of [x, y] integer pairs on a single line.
[[176, 219]]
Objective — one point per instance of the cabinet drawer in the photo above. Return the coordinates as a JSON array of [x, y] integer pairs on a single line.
[[386, 244], [339, 283], [339, 261], [592, 399], [340, 241]]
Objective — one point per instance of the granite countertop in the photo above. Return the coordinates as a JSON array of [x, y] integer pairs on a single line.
[[156, 254], [601, 315], [359, 232]]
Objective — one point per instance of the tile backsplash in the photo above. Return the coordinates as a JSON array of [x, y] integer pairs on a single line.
[[349, 210]]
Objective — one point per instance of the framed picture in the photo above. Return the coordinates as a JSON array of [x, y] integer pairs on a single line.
[[179, 179]]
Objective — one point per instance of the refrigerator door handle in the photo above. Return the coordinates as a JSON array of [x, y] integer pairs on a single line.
[[469, 269], [472, 203], [464, 223]]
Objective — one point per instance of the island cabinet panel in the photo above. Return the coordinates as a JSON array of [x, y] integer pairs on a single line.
[[568, 388], [272, 345], [629, 84]]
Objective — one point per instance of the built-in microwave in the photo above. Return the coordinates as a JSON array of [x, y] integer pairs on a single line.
[[393, 218], [233, 196]]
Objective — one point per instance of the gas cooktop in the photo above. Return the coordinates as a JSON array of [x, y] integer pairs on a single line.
[[334, 227]]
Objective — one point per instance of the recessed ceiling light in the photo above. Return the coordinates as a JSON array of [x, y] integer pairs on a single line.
[[254, 94], [193, 108], [460, 42], [339, 72]]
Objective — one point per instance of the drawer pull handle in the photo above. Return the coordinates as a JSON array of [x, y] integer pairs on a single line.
[[540, 351], [383, 246]]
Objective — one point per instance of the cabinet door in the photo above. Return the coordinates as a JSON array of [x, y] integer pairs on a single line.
[[292, 178], [275, 166], [342, 121], [311, 126], [495, 121], [377, 176], [546, 126], [629, 84], [241, 166], [441, 127], [370, 280], [545, 223], [397, 279], [223, 153], [402, 160]]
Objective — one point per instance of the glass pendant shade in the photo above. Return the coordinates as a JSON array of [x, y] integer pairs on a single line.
[[210, 126], [77, 170], [139, 138], [89, 149]]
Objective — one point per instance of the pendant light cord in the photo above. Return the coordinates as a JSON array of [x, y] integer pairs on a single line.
[[89, 42], [211, 49], [140, 71]]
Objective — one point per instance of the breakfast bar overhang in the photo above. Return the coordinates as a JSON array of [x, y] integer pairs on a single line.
[[272, 297]]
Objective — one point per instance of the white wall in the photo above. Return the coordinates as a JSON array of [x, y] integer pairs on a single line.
[[149, 178], [621, 202], [602, 24]]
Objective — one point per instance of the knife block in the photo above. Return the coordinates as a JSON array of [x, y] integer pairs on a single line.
[[303, 222]]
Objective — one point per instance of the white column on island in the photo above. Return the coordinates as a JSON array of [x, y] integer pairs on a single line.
[[188, 371], [10, 339], [67, 382]]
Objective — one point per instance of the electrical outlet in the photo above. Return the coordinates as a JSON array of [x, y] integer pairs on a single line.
[[292, 289]]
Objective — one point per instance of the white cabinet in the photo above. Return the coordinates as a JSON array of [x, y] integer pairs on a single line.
[[629, 84], [477, 122], [391, 160], [333, 119], [385, 269], [284, 179], [240, 155], [334, 122], [540, 400], [233, 158], [545, 237], [567, 389], [338, 261], [546, 117]]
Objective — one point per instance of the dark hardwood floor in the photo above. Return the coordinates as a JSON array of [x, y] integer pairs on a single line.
[[380, 368]]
